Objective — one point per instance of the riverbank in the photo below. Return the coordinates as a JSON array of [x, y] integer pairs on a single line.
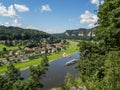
[[72, 48], [56, 72]]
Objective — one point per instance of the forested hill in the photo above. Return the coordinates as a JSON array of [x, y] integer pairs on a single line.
[[16, 33], [80, 33]]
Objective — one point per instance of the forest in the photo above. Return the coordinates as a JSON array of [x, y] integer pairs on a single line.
[[16, 33], [99, 64]]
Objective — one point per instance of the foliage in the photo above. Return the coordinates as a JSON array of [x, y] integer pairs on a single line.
[[18, 85], [12, 73], [44, 60], [16, 33], [69, 81], [99, 64], [109, 20], [112, 71], [13, 81]]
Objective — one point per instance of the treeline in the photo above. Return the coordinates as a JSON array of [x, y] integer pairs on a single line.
[[87, 38], [13, 81], [62, 36], [99, 64], [16, 33]]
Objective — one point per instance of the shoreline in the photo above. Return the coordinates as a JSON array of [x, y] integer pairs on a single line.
[[67, 55], [49, 61]]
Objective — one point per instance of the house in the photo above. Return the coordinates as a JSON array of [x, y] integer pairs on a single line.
[[28, 49], [18, 52], [35, 48], [43, 50], [58, 45], [43, 39], [49, 48], [48, 45], [11, 53], [23, 58], [4, 61]]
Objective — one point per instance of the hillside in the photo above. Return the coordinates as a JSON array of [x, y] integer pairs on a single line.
[[16, 33], [80, 33]]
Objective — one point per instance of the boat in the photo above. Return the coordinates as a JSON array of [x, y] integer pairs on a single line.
[[73, 61]]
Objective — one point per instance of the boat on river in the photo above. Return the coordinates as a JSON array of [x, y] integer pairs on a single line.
[[71, 62]]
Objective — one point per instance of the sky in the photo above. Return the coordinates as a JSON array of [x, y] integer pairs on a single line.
[[52, 16]]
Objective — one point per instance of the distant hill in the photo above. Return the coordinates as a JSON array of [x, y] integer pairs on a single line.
[[80, 33], [17, 33]]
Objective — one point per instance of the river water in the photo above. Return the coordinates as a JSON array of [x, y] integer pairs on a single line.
[[56, 72]]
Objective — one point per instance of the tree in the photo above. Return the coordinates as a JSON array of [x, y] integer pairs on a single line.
[[69, 81], [4, 49], [91, 63], [33, 72], [12, 73], [3, 80], [19, 85], [109, 24], [44, 60], [112, 71], [32, 84], [108, 31], [58, 49]]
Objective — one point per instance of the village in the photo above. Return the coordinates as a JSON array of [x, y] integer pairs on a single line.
[[26, 53]]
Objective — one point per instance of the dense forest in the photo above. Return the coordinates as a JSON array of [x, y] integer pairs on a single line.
[[16, 33], [99, 64]]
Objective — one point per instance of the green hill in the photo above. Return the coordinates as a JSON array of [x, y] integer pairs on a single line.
[[16, 33], [81, 33]]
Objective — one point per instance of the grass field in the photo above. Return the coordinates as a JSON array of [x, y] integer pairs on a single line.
[[8, 48], [70, 50]]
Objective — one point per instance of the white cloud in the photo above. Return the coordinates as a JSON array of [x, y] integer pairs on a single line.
[[10, 12], [102, 2], [16, 23], [21, 8], [45, 8], [95, 2], [88, 18], [7, 24]]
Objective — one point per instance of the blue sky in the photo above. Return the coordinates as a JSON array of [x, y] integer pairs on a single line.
[[52, 16]]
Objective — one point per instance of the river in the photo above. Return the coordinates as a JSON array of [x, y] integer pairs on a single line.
[[56, 72]]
